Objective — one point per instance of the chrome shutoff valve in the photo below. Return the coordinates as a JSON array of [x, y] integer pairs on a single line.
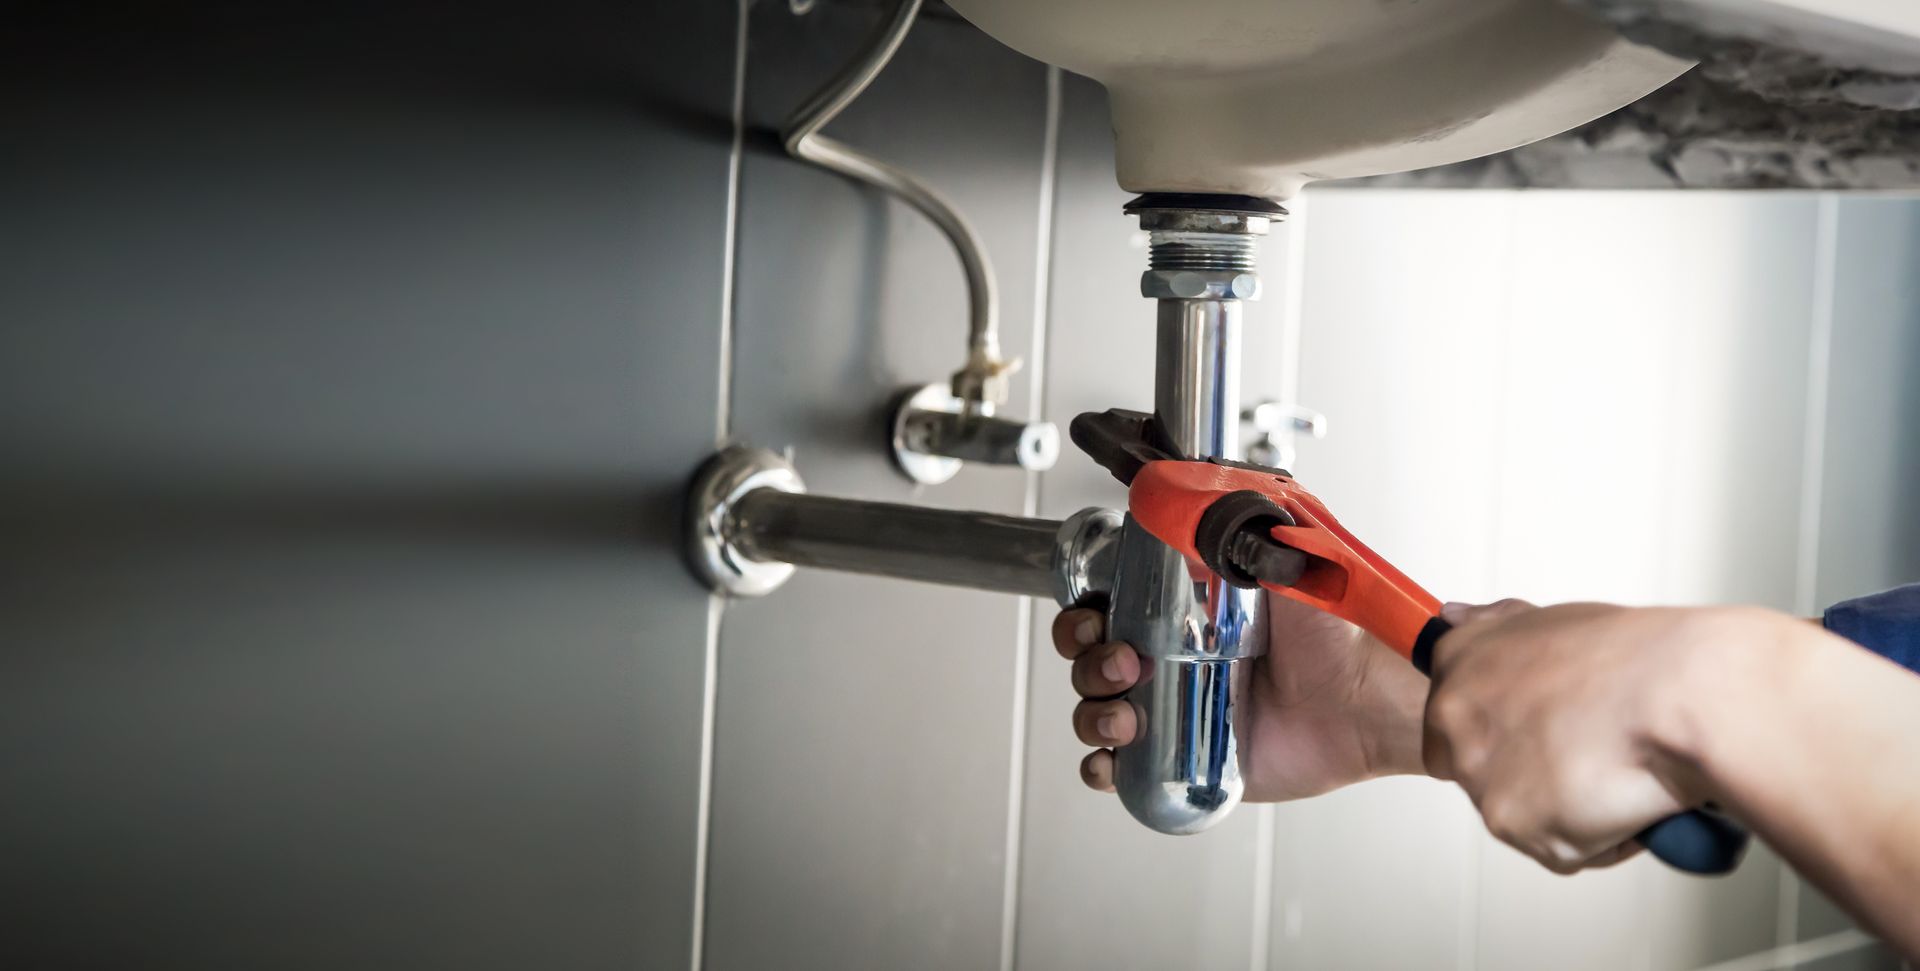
[[935, 433]]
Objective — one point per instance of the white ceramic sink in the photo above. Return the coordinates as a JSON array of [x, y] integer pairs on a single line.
[[1259, 97]]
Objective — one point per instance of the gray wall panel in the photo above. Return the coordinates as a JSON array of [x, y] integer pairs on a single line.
[[347, 386], [865, 727]]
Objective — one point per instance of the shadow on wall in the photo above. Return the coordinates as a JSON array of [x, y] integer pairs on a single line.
[[352, 360]]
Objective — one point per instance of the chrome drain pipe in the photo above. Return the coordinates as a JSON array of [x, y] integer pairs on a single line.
[[963, 549], [1196, 637], [752, 521]]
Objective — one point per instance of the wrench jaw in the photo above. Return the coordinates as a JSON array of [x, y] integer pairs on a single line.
[[1200, 508]]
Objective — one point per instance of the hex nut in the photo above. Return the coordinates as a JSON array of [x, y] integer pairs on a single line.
[[1199, 285]]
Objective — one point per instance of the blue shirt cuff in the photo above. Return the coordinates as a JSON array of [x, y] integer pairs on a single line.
[[1888, 624]]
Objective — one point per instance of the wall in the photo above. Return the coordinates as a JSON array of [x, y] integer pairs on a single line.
[[1638, 397], [352, 360], [882, 714], [355, 358]]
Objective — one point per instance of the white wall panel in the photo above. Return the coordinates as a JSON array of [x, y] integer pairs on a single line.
[[1403, 322], [1657, 377], [1559, 397]]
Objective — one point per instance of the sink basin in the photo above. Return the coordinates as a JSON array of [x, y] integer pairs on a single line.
[[1260, 97]]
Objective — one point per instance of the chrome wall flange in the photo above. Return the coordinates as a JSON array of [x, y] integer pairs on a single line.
[[909, 454], [1084, 554], [712, 552]]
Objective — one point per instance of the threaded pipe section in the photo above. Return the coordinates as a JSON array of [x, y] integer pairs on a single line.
[[1231, 252]]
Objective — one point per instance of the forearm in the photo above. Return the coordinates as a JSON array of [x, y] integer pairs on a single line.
[[1815, 743], [1391, 709]]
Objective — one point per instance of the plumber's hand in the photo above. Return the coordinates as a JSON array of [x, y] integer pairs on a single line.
[[1570, 726], [1329, 705]]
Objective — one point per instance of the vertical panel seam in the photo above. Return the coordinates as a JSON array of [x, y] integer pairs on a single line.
[[1260, 946], [1043, 272], [1030, 505], [729, 284], [703, 824], [1293, 309], [1813, 473], [723, 430], [1819, 356]]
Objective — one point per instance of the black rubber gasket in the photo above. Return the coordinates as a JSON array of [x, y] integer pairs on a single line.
[[1206, 202]]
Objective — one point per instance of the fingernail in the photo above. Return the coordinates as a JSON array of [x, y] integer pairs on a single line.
[[1087, 632], [1111, 669], [1455, 613], [1105, 726]]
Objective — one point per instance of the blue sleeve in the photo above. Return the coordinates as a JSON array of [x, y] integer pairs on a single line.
[[1888, 624]]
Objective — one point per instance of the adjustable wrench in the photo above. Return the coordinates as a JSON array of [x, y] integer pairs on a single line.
[[1257, 527]]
